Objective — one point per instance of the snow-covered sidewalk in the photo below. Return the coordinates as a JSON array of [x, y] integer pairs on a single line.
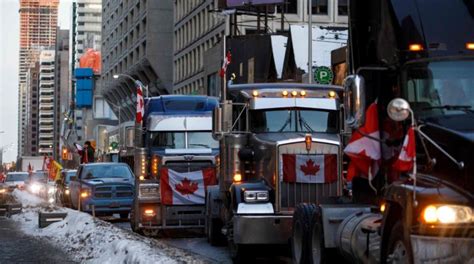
[[91, 240]]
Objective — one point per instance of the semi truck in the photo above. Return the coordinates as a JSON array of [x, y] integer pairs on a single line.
[[415, 60], [175, 165], [280, 146]]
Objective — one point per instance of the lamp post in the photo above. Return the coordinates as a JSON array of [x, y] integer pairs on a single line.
[[137, 82]]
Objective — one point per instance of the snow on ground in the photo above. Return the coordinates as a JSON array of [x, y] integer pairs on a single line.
[[91, 240]]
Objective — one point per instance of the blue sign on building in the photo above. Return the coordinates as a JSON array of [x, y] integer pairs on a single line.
[[84, 87]]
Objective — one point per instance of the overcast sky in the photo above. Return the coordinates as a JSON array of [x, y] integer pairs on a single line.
[[9, 32]]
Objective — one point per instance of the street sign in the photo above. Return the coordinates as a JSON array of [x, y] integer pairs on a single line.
[[323, 75], [114, 145]]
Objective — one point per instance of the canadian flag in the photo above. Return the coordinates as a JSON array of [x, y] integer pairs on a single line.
[[309, 168], [140, 103], [364, 151], [226, 62], [406, 159], [185, 187]]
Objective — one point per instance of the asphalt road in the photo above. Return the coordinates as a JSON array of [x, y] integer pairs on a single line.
[[17, 247]]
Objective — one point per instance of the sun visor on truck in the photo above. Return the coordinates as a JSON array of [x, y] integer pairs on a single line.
[[179, 123]]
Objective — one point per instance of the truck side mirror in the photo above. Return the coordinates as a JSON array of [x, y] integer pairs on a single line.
[[354, 100], [222, 120]]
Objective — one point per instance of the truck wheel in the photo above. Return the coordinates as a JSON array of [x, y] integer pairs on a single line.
[[399, 249], [316, 241], [300, 248], [214, 234]]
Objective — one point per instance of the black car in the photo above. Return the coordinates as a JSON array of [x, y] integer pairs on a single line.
[[63, 195]]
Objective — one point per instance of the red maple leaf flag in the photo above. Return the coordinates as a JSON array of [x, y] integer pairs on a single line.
[[185, 187], [309, 168], [364, 148], [225, 63], [140, 103], [406, 159]]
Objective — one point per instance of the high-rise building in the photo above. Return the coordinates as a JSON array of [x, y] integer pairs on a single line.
[[137, 40], [196, 29], [87, 28], [38, 21], [31, 142], [63, 90], [46, 102]]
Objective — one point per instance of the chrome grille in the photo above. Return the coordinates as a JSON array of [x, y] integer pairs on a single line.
[[110, 191], [291, 194]]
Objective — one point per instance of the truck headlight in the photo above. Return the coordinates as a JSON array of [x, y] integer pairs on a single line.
[[253, 196], [3, 190], [447, 214], [35, 188], [149, 190], [51, 189], [85, 192], [66, 191]]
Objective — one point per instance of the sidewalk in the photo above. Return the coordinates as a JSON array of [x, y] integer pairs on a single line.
[[16, 247]]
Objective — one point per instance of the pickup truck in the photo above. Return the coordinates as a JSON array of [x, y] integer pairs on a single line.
[[105, 188]]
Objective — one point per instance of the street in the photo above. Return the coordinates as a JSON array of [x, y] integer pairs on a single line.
[[17, 247]]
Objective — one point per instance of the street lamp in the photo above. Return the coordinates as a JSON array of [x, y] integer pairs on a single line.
[[137, 82]]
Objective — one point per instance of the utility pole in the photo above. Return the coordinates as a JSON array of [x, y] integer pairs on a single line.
[[310, 41]]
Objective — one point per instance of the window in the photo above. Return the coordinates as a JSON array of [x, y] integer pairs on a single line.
[[342, 8], [320, 7], [289, 7]]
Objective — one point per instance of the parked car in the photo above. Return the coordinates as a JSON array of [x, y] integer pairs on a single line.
[[63, 193], [16, 180], [106, 188], [37, 183]]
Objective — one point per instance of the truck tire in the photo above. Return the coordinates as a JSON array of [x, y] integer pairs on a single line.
[[300, 247], [214, 234], [399, 248], [319, 254]]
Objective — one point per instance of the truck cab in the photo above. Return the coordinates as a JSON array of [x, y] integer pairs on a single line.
[[280, 146], [179, 157]]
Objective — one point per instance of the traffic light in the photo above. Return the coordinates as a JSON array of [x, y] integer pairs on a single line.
[[65, 153]]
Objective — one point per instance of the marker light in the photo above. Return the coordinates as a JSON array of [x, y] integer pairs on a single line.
[[382, 207], [255, 93], [308, 140], [294, 93], [303, 93], [237, 177], [149, 212], [141, 177], [155, 161], [415, 47], [332, 94], [284, 93], [447, 214], [470, 45]]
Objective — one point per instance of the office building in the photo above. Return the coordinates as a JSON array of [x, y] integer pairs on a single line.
[[38, 20]]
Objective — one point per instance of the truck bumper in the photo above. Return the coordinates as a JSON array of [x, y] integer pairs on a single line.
[[171, 217], [442, 249], [107, 206], [262, 229]]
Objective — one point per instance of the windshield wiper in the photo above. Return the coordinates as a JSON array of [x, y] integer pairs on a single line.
[[305, 124], [288, 121], [466, 108], [201, 145]]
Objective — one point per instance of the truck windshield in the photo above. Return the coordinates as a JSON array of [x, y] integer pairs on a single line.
[[16, 177], [440, 87], [177, 140], [293, 120], [106, 171]]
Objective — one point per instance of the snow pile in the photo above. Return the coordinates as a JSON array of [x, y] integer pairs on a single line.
[[91, 240]]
